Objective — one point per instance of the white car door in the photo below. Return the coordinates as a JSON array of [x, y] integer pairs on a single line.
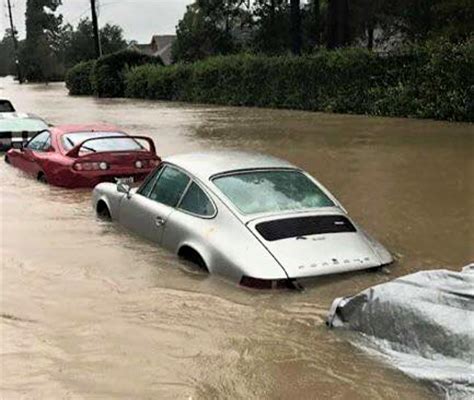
[[147, 211]]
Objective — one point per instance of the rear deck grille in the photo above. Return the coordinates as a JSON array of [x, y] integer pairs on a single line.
[[303, 226]]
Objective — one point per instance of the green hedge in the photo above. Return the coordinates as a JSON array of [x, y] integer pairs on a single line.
[[105, 77], [433, 81], [78, 78], [108, 75]]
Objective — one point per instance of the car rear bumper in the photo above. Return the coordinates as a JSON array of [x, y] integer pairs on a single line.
[[315, 270], [90, 179]]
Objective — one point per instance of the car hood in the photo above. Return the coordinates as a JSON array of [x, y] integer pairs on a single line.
[[315, 244]]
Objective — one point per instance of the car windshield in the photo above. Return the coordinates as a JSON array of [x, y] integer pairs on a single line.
[[270, 191], [71, 140], [22, 125]]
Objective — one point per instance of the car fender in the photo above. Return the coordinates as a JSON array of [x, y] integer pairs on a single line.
[[226, 245], [107, 192], [198, 248]]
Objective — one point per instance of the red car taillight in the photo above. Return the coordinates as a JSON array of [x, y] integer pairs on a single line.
[[256, 283], [91, 166], [140, 164]]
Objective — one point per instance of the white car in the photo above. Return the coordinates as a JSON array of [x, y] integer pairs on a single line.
[[18, 127], [255, 219]]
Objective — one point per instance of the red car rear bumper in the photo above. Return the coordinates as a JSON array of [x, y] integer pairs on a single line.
[[89, 179]]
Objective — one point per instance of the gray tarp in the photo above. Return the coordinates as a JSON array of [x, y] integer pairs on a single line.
[[421, 323]]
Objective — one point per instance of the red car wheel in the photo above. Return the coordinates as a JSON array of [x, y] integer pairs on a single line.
[[42, 178]]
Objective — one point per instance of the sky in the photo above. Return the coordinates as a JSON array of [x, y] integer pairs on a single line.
[[140, 19]]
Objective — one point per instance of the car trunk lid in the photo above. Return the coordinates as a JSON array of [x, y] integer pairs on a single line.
[[315, 244]]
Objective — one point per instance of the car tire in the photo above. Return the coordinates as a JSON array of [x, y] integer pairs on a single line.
[[103, 211], [192, 256], [42, 178], [7, 160]]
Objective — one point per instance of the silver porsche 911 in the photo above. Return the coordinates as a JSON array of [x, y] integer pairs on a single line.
[[252, 218]]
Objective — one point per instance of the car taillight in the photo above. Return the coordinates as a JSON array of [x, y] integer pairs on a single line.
[[256, 283], [91, 166], [139, 164]]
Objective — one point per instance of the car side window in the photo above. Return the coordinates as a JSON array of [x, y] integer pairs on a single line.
[[170, 186], [196, 202], [47, 143], [39, 141], [146, 187]]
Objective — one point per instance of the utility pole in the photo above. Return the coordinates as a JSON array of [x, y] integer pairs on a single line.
[[98, 47], [15, 43]]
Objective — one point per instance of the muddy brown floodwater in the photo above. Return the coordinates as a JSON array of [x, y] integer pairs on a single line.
[[89, 311]]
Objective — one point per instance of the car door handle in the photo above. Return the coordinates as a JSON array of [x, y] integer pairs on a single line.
[[159, 221]]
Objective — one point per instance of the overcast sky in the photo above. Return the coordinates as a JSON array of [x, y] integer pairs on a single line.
[[139, 18]]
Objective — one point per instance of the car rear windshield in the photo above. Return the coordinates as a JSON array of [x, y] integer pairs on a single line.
[[71, 140], [271, 191], [22, 125]]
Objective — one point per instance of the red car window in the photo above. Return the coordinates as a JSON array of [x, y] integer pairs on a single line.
[[40, 142]]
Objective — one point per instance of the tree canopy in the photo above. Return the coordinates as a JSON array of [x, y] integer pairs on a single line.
[[39, 51], [78, 44], [7, 54], [211, 27]]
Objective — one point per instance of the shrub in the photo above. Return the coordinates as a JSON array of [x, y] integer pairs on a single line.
[[430, 81], [108, 74], [78, 78]]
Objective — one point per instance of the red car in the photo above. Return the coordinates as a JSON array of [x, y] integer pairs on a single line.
[[76, 156]]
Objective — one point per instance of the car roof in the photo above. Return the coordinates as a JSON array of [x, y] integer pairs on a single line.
[[18, 115], [21, 122], [204, 165], [76, 128]]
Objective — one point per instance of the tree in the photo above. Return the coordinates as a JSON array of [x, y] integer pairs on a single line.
[[375, 21], [296, 39], [7, 55], [39, 53], [338, 34], [314, 26], [272, 26], [78, 45], [205, 30], [420, 20]]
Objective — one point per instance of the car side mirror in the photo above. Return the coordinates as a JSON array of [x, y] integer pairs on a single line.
[[123, 188]]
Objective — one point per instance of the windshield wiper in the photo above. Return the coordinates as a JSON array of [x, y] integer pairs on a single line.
[[70, 141]]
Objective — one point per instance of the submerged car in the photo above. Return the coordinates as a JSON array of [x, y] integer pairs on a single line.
[[78, 156], [252, 218], [18, 128]]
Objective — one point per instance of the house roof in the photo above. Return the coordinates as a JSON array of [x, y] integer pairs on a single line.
[[142, 48], [160, 46], [164, 44]]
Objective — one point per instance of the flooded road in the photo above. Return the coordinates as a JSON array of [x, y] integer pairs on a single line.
[[89, 311]]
